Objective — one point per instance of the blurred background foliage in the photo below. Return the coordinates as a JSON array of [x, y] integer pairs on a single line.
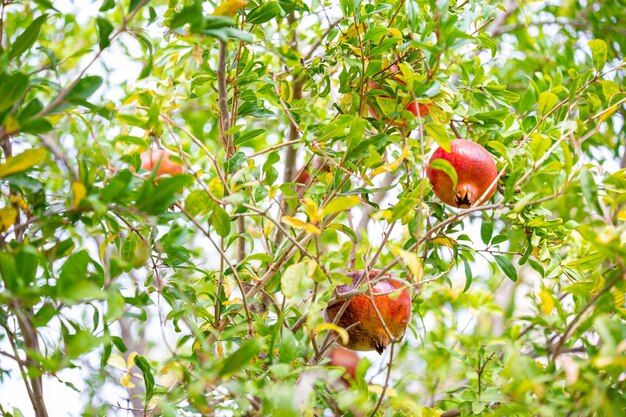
[[202, 293]]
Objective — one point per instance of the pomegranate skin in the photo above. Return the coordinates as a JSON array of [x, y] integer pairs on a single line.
[[414, 106], [346, 359], [303, 179], [476, 171], [319, 167], [154, 157], [365, 329]]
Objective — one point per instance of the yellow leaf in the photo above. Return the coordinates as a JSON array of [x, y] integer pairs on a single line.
[[430, 412], [536, 252], [220, 349], [299, 224], [339, 330], [606, 114], [444, 241], [79, 190], [197, 53], [116, 361], [19, 201], [312, 210], [286, 92], [232, 302], [105, 244], [382, 215], [8, 215], [392, 166], [352, 32], [547, 302], [273, 192], [340, 204], [130, 361], [126, 382], [621, 215], [22, 162], [377, 389], [11, 124], [354, 49], [395, 32], [412, 261], [229, 7], [216, 187]]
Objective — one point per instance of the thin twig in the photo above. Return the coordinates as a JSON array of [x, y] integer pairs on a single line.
[[384, 390]]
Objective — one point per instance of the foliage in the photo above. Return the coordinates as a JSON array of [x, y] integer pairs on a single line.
[[208, 288]]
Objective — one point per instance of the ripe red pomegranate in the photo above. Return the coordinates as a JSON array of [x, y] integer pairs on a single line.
[[346, 359], [160, 157], [476, 171], [304, 177], [365, 329], [418, 109]]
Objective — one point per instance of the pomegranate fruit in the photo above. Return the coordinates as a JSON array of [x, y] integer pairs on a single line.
[[418, 109], [304, 178], [475, 169], [346, 359], [153, 157], [362, 317]]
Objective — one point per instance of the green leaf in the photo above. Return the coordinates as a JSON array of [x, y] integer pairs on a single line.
[[238, 360], [22, 162], [46, 4], [84, 88], [44, 315], [486, 231], [507, 267], [220, 220], [248, 136], [468, 275], [609, 89], [228, 33], [539, 145], [344, 229], [105, 28], [264, 13], [292, 279], [133, 5], [148, 378], [12, 88], [271, 174], [8, 270], [598, 53], [439, 133], [27, 38], [74, 268], [116, 305], [27, 263], [375, 34], [81, 342], [547, 101], [590, 190], [189, 14], [156, 199], [288, 348], [73, 284], [445, 166], [198, 202], [347, 6], [135, 251], [107, 5]]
